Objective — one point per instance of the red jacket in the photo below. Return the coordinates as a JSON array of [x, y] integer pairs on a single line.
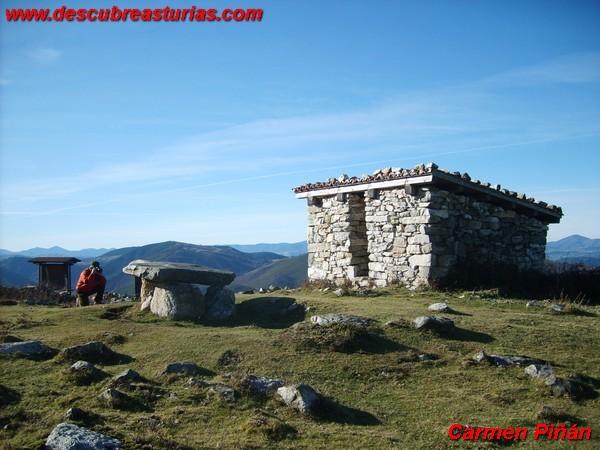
[[89, 281]]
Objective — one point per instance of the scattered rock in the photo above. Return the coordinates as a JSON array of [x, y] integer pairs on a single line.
[[128, 376], [426, 357], [84, 372], [325, 320], [534, 304], [439, 307], [184, 368], [220, 303], [261, 385], [338, 292], [506, 360], [27, 349], [66, 436], [95, 352], [542, 372], [113, 398], [557, 308], [301, 397], [196, 382], [226, 393], [434, 323], [168, 272]]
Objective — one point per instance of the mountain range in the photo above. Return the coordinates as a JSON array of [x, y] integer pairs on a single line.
[[55, 251], [256, 266], [575, 249]]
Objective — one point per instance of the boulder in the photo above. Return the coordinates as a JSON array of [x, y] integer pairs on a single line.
[[128, 376], [27, 349], [66, 436], [434, 323], [169, 272], [261, 385], [224, 392], [325, 320], [94, 351], [557, 308], [183, 368], [79, 415], [178, 301], [84, 372], [220, 303], [542, 372], [506, 360], [116, 399], [439, 307], [301, 397]]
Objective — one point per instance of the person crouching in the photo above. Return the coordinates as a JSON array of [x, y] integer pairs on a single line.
[[91, 281]]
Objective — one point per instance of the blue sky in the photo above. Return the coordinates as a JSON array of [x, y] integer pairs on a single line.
[[126, 134]]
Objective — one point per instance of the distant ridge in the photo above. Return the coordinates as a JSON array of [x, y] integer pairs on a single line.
[[56, 251], [283, 248], [575, 249]]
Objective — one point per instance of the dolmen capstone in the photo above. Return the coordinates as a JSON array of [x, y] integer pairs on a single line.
[[174, 290]]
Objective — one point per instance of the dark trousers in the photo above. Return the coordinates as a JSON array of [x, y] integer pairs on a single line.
[[83, 298]]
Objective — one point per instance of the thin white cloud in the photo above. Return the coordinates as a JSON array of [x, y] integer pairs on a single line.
[[5, 81], [570, 69], [44, 55]]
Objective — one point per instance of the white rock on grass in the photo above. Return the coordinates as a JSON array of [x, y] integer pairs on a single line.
[[542, 372], [66, 436], [344, 319], [439, 307], [433, 323], [300, 397]]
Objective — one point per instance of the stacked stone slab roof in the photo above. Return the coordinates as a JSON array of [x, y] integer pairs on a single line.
[[391, 174]]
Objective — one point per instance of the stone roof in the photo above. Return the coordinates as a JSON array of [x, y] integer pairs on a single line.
[[431, 169]]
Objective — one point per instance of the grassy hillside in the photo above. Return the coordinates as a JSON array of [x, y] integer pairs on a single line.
[[290, 272], [413, 402]]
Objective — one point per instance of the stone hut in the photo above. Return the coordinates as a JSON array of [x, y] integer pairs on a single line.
[[413, 226]]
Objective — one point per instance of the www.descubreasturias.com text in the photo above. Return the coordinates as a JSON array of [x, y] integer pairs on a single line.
[[117, 14]]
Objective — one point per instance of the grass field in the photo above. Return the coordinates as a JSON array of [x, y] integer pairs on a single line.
[[413, 402]]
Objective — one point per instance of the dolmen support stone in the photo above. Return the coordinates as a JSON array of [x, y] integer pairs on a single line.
[[174, 290]]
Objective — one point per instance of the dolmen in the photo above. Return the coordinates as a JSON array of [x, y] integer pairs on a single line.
[[175, 290]]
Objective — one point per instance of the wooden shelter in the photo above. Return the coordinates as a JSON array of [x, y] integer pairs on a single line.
[[54, 272]]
